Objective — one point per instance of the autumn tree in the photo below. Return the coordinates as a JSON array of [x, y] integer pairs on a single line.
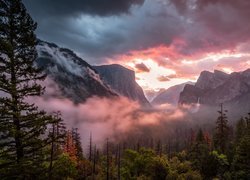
[[69, 146]]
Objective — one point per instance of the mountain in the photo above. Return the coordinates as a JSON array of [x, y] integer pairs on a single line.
[[122, 81], [211, 89], [76, 79], [151, 94], [170, 95]]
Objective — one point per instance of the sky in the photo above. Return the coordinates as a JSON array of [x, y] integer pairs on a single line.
[[166, 42]]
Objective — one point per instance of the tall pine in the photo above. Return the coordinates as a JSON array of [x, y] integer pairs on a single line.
[[78, 144], [22, 125], [241, 161], [57, 134], [221, 137]]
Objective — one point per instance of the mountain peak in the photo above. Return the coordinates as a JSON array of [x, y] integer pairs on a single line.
[[209, 80], [170, 95], [76, 79], [122, 80], [218, 87]]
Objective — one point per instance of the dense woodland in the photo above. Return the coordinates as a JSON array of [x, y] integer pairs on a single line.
[[37, 145]]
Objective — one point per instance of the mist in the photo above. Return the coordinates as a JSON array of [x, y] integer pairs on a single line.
[[121, 119]]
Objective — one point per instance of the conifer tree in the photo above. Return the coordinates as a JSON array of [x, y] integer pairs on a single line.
[[107, 160], [119, 163], [56, 135], [199, 151], [22, 125], [78, 144], [240, 130], [221, 137], [90, 147], [241, 162]]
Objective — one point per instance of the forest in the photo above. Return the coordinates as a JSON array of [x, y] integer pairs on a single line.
[[37, 145]]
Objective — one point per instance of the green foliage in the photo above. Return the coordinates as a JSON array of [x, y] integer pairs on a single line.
[[221, 137], [144, 163], [241, 162], [240, 129], [199, 152], [22, 125], [182, 170], [64, 168], [31, 141]]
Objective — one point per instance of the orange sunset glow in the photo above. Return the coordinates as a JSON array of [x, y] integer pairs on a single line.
[[165, 66]]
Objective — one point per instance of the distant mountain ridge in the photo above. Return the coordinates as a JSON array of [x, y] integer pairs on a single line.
[[122, 81], [219, 87], [170, 95]]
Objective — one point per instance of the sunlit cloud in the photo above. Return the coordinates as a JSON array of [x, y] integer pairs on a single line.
[[168, 67]]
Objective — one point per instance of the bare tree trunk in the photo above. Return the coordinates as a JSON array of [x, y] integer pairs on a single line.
[[107, 159], [52, 151], [119, 162]]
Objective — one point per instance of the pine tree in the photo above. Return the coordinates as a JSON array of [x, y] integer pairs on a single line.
[[57, 136], [241, 162], [240, 130], [200, 137], [90, 147], [22, 125], [119, 163], [159, 148], [221, 137], [107, 160], [78, 144], [199, 152]]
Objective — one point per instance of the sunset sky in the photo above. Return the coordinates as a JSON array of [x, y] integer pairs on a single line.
[[166, 42]]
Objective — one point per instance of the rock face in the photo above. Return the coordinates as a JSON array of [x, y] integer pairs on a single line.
[[76, 79], [170, 95], [218, 87], [122, 81]]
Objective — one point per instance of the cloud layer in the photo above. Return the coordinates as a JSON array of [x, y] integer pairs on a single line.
[[184, 36], [74, 8], [110, 118]]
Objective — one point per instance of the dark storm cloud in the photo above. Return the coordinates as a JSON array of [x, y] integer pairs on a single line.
[[98, 31], [76, 7], [99, 37]]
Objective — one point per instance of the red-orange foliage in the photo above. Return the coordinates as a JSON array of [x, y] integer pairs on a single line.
[[69, 147]]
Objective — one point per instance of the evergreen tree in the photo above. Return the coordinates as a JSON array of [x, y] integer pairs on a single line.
[[22, 125], [221, 137], [199, 152], [240, 130], [56, 135], [90, 148], [200, 137], [78, 144], [108, 160], [241, 162]]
